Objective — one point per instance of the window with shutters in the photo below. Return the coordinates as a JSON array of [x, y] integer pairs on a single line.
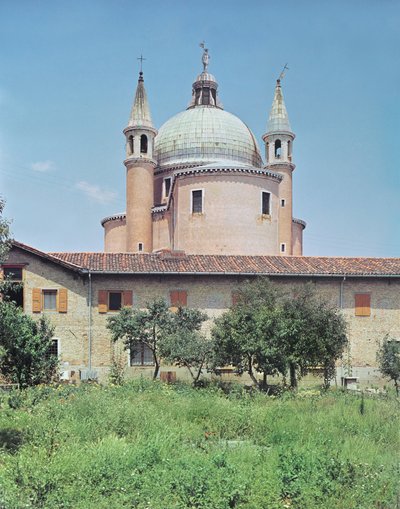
[[15, 290], [49, 300], [178, 298], [141, 355], [113, 300], [362, 304], [197, 201]]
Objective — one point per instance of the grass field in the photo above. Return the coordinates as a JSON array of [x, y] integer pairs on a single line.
[[150, 445]]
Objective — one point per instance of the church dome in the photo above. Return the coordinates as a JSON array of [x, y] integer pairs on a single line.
[[205, 134]]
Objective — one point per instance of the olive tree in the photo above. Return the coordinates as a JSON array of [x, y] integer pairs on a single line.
[[186, 345], [149, 326], [388, 357]]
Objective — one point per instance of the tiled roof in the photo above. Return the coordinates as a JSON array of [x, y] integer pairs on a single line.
[[179, 263], [222, 264]]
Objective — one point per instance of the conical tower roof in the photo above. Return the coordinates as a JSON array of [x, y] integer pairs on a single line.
[[278, 118], [140, 114]]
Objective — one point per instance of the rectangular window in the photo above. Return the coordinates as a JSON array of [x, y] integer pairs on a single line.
[[49, 300], [167, 186], [12, 273], [114, 301], [362, 302], [141, 355], [197, 202], [14, 290], [283, 248], [265, 204], [53, 350]]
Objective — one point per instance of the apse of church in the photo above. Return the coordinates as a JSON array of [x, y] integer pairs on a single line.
[[199, 184]]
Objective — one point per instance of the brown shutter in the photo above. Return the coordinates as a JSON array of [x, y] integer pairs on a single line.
[[127, 298], [235, 298], [362, 304], [62, 300], [174, 298], [182, 298], [36, 300], [102, 301]]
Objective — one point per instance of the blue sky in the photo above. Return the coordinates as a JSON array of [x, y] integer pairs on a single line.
[[69, 72]]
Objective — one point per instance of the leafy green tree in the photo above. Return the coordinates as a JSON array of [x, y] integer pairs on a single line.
[[25, 344], [388, 357], [149, 326], [5, 241], [186, 346], [313, 333], [271, 333], [247, 336]]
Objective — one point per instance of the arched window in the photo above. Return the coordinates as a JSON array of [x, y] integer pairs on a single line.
[[143, 144], [289, 150], [130, 145], [278, 149]]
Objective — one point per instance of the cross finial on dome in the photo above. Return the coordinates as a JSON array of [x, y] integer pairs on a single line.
[[206, 57]]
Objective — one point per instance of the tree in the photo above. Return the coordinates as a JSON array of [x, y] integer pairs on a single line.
[[271, 333], [247, 336], [5, 241], [388, 357], [186, 346], [313, 333], [149, 327], [25, 344]]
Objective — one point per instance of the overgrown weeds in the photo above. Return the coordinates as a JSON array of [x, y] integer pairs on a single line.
[[144, 444]]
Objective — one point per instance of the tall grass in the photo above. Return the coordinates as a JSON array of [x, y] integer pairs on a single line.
[[148, 445]]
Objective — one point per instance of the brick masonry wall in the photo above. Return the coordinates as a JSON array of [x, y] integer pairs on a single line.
[[213, 294]]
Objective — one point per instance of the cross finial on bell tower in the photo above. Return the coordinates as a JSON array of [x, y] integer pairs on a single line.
[[141, 58]]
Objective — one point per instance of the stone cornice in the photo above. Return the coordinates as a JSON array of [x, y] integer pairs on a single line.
[[233, 169], [299, 221], [134, 160], [114, 217], [278, 133], [292, 166], [140, 128]]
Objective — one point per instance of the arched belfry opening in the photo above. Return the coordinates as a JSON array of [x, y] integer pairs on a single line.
[[289, 150], [278, 149], [130, 145], [143, 144]]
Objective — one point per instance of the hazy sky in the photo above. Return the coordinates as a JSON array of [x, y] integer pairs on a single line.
[[68, 72]]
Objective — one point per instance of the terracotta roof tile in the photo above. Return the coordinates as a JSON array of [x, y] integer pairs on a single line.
[[220, 264], [169, 263]]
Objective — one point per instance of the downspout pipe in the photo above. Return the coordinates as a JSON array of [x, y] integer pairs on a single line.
[[90, 321]]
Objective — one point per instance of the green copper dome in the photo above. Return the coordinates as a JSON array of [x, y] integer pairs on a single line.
[[205, 134]]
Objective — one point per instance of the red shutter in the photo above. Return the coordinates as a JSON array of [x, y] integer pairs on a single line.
[[182, 298], [36, 300], [174, 298], [362, 304], [62, 300], [128, 298], [103, 301]]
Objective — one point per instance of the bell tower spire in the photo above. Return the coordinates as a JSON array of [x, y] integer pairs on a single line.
[[278, 141], [139, 162]]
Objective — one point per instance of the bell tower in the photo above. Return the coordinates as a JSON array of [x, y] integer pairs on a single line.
[[278, 141], [140, 165]]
